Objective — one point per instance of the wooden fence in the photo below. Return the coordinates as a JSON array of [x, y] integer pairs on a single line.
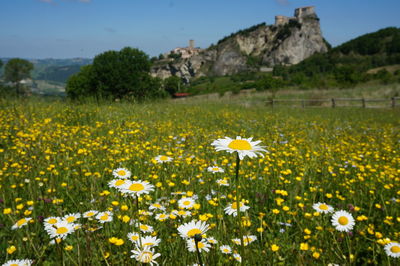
[[337, 102]]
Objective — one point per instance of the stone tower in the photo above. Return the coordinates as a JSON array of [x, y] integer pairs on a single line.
[[191, 44], [304, 11]]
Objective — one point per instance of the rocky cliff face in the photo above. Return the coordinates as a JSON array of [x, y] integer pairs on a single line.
[[288, 42]]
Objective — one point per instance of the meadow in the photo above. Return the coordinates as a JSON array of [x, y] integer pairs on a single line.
[[64, 165]]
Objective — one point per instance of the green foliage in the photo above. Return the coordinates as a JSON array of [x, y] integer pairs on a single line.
[[172, 84], [116, 75], [174, 56], [1, 64], [58, 73], [347, 64]]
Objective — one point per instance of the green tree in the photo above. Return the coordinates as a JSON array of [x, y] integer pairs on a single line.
[[116, 75], [16, 70], [172, 84], [81, 84], [1, 63]]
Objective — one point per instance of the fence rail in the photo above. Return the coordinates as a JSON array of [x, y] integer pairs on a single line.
[[337, 102]]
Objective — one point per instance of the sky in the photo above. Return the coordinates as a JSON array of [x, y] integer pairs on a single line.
[[84, 28]]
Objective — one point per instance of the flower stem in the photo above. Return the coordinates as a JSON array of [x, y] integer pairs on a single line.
[[239, 216], [197, 238], [138, 221]]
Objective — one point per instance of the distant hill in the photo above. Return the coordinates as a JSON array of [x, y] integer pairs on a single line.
[[58, 73], [349, 62]]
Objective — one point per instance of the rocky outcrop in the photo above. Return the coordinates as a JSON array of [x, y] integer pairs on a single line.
[[289, 41]]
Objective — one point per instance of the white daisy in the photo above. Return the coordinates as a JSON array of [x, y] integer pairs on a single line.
[[393, 249], [237, 257], [193, 228], [24, 262], [49, 221], [186, 203], [90, 213], [104, 217], [133, 237], [246, 240], [20, 223], [72, 217], [146, 228], [244, 147], [322, 207], [150, 241], [60, 230], [212, 240], [202, 245], [223, 182], [215, 169], [117, 183], [162, 217], [137, 188], [121, 173], [343, 221], [156, 206], [232, 208], [225, 249], [145, 255], [163, 159], [181, 213]]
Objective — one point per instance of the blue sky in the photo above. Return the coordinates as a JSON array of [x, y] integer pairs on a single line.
[[85, 28]]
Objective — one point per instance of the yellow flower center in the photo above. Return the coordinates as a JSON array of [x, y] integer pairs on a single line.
[[14, 264], [323, 207], [163, 158], [21, 222], [104, 217], [136, 187], [240, 144], [226, 250], [119, 183], [200, 245], [193, 232], [146, 256], [234, 205], [148, 244], [216, 169], [343, 220], [134, 238], [144, 227], [52, 221], [186, 203], [395, 249], [61, 230], [121, 172], [70, 219], [89, 214]]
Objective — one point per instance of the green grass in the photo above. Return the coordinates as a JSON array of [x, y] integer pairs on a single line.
[[57, 158]]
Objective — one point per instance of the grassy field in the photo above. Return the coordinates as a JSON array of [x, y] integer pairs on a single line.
[[58, 159]]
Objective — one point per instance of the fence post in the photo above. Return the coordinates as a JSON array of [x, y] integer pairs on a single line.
[[333, 103], [363, 102], [393, 102]]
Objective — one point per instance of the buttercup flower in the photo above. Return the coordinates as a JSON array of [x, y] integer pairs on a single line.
[[244, 147]]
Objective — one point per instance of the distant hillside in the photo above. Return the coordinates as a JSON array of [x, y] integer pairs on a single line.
[[349, 62], [58, 73]]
